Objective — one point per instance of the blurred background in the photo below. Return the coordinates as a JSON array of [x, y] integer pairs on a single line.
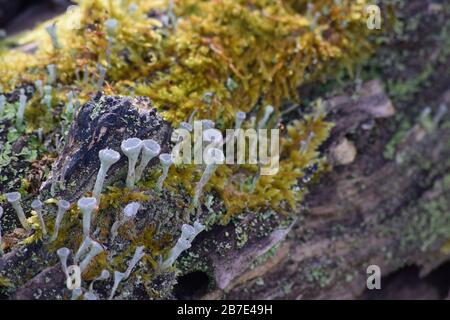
[[19, 15]]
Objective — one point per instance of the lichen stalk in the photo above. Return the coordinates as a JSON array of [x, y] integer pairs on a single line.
[[14, 199]]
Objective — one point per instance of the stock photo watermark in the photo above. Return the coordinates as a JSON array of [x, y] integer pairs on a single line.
[[374, 280], [239, 146], [374, 17]]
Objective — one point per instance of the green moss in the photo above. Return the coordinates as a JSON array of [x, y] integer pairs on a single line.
[[319, 275], [5, 282], [430, 221], [391, 146]]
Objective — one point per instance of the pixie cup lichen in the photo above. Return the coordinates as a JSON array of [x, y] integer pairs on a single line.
[[63, 206], [104, 275], [52, 31], [36, 205], [240, 118], [14, 199], [63, 254], [2, 103], [84, 247], [181, 245], [213, 158], [119, 276], [267, 114], [87, 205], [96, 249], [51, 68], [166, 160], [107, 158], [188, 234], [129, 212], [150, 149], [131, 148], [22, 106], [39, 86]]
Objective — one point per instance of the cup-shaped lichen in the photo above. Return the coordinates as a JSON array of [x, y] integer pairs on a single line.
[[84, 247], [48, 90], [305, 143], [52, 32], [267, 114], [63, 254], [47, 100], [36, 205], [118, 277], [129, 212], [101, 78], [22, 105], [107, 158], [63, 206], [166, 160], [213, 157], [240, 117], [96, 249], [182, 245], [14, 199], [39, 86], [198, 227], [138, 254], [111, 27], [103, 276], [69, 105], [87, 206], [2, 103], [51, 68], [187, 232], [131, 148], [150, 149]]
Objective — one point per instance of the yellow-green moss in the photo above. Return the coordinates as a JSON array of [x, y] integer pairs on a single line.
[[5, 282]]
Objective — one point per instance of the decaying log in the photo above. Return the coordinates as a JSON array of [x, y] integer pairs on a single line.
[[371, 211]]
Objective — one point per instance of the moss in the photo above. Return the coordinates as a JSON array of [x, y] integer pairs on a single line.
[[5, 282], [431, 221], [390, 149]]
